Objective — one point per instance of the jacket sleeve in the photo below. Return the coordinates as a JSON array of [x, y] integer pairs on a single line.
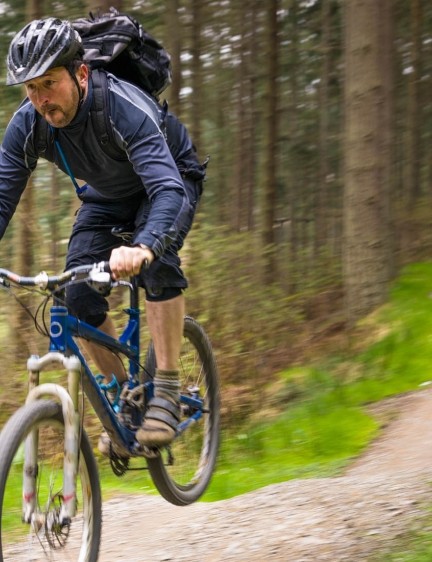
[[170, 205], [17, 161], [136, 120], [138, 123]]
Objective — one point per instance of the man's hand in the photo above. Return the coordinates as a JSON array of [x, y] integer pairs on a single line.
[[126, 261]]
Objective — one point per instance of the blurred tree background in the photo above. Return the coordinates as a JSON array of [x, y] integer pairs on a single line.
[[317, 117]]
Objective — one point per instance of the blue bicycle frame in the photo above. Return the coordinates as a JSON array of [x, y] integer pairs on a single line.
[[199, 395], [65, 327]]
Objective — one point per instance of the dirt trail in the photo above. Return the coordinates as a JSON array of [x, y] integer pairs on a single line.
[[348, 518]]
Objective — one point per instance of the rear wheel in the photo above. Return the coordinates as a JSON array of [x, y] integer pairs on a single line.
[[46, 537], [183, 470]]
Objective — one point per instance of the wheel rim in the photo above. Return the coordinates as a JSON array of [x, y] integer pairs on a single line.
[[184, 469], [45, 538]]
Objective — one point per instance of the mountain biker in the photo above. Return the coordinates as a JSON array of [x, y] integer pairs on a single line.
[[146, 189]]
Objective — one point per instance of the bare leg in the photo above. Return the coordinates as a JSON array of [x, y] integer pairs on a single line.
[[165, 322], [106, 361]]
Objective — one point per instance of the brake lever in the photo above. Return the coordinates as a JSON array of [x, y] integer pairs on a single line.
[[100, 281]]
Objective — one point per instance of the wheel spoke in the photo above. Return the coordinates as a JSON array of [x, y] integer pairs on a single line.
[[183, 471], [46, 537]]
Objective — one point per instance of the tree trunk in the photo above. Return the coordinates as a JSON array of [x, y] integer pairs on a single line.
[[321, 196], [22, 330], [252, 117], [196, 117], [244, 167], [271, 141], [367, 258], [291, 133], [413, 187], [173, 45]]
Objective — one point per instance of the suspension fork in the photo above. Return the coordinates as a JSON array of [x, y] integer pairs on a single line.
[[69, 400]]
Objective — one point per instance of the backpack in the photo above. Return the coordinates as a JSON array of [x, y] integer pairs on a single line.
[[188, 166], [119, 44]]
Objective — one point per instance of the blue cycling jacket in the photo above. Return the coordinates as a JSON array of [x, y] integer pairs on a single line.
[[149, 167]]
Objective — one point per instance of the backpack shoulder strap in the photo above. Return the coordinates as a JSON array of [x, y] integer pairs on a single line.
[[41, 135], [100, 116]]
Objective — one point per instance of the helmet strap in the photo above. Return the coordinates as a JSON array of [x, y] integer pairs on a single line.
[[80, 90]]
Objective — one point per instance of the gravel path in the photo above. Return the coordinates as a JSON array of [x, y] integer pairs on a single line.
[[348, 518]]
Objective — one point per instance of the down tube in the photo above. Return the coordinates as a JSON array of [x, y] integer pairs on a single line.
[[90, 384]]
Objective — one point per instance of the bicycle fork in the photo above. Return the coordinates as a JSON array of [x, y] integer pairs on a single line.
[[69, 402]]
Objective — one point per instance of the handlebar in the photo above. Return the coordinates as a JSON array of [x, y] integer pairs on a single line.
[[97, 273]]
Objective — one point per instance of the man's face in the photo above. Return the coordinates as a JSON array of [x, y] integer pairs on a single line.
[[55, 95]]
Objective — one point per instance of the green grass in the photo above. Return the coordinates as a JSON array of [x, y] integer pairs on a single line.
[[327, 425], [320, 431], [135, 481], [315, 438], [316, 417]]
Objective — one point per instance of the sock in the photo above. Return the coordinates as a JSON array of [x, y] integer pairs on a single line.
[[167, 385], [156, 433]]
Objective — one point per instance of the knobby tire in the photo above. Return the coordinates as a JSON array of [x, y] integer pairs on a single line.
[[193, 453], [20, 541]]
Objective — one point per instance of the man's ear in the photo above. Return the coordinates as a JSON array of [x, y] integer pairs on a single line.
[[82, 75]]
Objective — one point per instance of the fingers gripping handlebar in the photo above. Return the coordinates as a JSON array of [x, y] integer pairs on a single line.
[[97, 274]]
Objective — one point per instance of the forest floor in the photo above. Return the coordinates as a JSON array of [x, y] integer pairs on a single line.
[[351, 518]]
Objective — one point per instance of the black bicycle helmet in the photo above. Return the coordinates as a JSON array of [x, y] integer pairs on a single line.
[[39, 46]]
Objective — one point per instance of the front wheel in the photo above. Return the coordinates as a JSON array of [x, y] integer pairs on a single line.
[[46, 538], [183, 470]]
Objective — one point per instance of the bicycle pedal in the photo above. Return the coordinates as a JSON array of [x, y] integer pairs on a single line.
[[147, 452]]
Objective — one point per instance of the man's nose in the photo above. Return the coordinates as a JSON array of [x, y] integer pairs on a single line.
[[41, 97]]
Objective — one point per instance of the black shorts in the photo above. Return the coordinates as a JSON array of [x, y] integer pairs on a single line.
[[91, 241]]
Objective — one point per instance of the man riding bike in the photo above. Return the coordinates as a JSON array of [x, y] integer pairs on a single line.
[[154, 189]]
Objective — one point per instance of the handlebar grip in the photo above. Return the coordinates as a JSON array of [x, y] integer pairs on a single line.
[[105, 266]]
